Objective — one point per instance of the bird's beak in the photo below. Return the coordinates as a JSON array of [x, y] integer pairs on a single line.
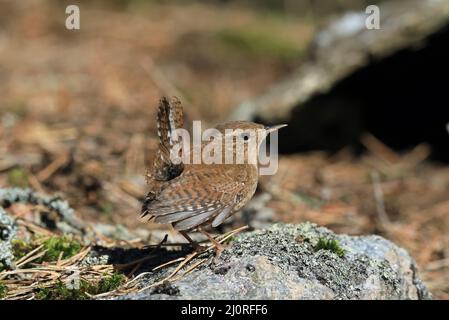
[[275, 128]]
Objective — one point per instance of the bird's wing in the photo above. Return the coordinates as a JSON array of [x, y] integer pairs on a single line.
[[169, 118], [196, 197]]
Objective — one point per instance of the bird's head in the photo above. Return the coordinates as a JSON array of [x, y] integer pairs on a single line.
[[245, 136]]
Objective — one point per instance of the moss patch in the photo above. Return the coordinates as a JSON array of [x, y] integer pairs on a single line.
[[3, 290], [229, 240], [331, 245], [111, 283], [84, 290], [56, 246], [20, 248], [64, 246], [61, 292]]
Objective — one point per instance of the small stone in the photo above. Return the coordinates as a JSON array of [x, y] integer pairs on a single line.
[[222, 269], [166, 288], [250, 268]]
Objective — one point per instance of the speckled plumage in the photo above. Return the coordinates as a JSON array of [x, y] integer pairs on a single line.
[[192, 195]]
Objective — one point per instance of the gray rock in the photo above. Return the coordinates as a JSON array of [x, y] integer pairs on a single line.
[[283, 262], [68, 222], [7, 233]]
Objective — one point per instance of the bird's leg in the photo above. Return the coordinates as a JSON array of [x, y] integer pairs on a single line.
[[192, 242], [217, 245], [187, 237]]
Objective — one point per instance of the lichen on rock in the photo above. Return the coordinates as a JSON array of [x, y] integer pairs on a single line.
[[68, 222], [7, 234], [281, 262]]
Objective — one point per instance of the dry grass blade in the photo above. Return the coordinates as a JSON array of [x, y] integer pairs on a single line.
[[380, 203], [76, 258], [193, 267], [134, 280], [168, 264], [49, 276], [34, 228], [29, 254], [226, 236], [48, 171], [182, 264], [35, 257], [37, 270]]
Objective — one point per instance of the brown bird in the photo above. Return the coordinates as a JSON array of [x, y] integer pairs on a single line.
[[190, 196]]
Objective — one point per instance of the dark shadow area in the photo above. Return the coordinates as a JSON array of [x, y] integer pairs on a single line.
[[136, 261], [401, 99]]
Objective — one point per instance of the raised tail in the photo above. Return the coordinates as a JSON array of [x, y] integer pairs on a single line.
[[169, 118]]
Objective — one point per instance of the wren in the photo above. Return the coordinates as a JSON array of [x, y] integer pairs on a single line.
[[190, 196]]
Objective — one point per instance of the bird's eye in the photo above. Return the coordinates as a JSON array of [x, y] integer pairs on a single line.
[[245, 136]]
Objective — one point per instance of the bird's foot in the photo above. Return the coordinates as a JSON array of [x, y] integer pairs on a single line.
[[219, 248]]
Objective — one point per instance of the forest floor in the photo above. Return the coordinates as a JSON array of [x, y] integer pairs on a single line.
[[77, 118]]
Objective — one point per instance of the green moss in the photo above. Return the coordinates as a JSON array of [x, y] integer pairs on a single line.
[[56, 246], [20, 248], [18, 177], [111, 283], [229, 240], [61, 292], [3, 291], [259, 44], [331, 245]]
